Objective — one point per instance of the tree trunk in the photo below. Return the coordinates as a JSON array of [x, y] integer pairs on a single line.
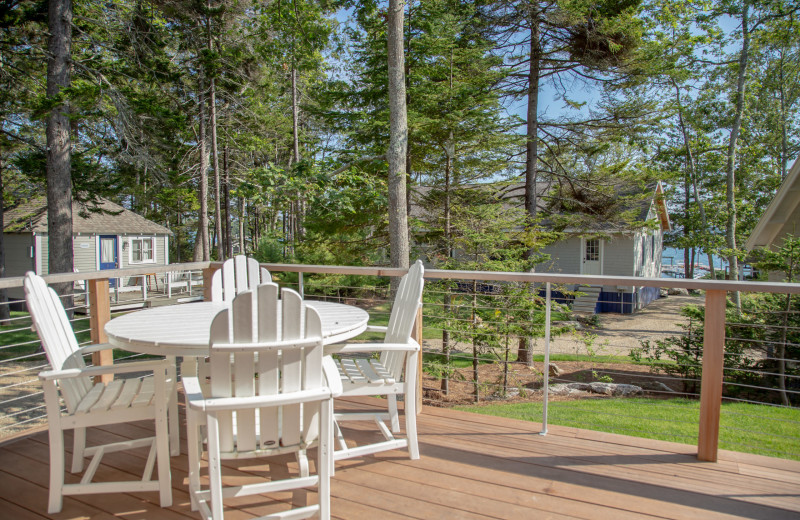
[[242, 206], [203, 219], [398, 138], [532, 133], [59, 146], [227, 202], [691, 165], [212, 102], [5, 312], [730, 169]]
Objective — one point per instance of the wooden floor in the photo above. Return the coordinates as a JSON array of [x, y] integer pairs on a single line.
[[471, 467]]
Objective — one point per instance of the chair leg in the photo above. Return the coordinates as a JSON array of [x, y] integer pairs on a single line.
[[214, 469], [325, 458], [410, 407], [195, 453], [78, 446], [162, 444], [55, 501], [393, 415]]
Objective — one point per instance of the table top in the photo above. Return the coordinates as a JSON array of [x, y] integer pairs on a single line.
[[182, 330]]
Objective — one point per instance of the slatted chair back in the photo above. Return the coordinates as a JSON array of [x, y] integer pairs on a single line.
[[237, 274], [401, 321], [58, 339], [268, 359]]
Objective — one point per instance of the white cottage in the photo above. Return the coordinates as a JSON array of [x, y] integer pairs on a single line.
[[114, 238], [613, 251], [602, 250]]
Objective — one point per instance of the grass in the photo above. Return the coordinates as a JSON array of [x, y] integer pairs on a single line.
[[749, 428]]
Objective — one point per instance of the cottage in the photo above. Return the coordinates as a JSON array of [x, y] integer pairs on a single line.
[[780, 219], [601, 248], [113, 238], [610, 250]]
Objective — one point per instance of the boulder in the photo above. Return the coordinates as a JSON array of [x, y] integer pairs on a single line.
[[677, 291]]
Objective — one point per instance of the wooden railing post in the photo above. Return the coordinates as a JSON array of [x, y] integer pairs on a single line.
[[208, 273], [711, 389], [416, 333], [99, 315]]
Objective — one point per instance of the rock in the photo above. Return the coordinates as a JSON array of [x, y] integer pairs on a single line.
[[611, 389], [677, 291], [555, 371], [602, 388], [655, 386], [621, 390], [582, 387], [564, 389]]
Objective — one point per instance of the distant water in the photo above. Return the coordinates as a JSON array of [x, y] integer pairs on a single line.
[[674, 256]]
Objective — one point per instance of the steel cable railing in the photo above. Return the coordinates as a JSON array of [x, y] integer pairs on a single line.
[[474, 342], [22, 357]]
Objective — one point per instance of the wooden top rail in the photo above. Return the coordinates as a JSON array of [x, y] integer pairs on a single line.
[[16, 281], [554, 278]]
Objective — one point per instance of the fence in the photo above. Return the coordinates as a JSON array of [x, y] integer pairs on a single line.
[[487, 337]]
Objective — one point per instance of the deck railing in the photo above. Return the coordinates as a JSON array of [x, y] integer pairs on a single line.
[[453, 302]]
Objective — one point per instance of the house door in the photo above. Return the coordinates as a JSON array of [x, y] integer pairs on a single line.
[[108, 255], [592, 256]]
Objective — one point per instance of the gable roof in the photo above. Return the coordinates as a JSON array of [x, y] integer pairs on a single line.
[[779, 213], [31, 217]]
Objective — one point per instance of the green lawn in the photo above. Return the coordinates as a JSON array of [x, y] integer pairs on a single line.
[[749, 428]]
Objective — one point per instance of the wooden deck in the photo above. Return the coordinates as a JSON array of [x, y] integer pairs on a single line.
[[472, 467]]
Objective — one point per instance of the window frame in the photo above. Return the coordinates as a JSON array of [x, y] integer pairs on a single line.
[[142, 239]]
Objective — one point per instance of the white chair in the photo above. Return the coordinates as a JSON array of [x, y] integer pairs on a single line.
[[236, 275], [93, 404], [395, 372], [267, 396]]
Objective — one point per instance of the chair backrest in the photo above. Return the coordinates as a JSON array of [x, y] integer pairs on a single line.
[[58, 339], [268, 359], [237, 274], [404, 312]]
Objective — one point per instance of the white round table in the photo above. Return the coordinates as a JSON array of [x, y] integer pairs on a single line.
[[182, 330]]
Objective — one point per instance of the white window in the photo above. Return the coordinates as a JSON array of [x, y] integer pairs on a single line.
[[143, 250]]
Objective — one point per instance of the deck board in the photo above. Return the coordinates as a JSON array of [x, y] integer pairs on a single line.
[[472, 466]]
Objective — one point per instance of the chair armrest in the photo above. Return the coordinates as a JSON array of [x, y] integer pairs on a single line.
[[411, 346], [123, 368], [376, 328], [193, 392], [99, 347], [332, 376], [218, 404]]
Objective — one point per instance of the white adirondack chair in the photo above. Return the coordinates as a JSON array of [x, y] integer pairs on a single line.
[[236, 275], [267, 397], [94, 404], [395, 372]]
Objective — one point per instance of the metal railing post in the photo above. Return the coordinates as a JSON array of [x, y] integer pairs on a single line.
[[711, 383], [99, 315], [546, 375], [300, 287]]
